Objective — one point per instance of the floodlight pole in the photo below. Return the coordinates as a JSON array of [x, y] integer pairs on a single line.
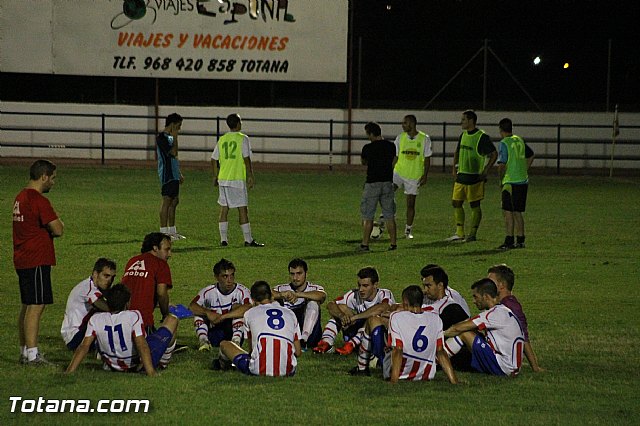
[[350, 78], [484, 76], [485, 49]]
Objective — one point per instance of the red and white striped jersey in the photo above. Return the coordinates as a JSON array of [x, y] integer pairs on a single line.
[[353, 300], [114, 333], [300, 301], [455, 296], [79, 303], [418, 335], [272, 330], [212, 298], [504, 335]]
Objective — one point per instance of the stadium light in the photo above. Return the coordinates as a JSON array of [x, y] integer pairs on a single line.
[[566, 65], [537, 60]]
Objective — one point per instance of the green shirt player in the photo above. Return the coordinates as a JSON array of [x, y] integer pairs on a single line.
[[514, 159], [470, 167], [233, 173], [413, 159]]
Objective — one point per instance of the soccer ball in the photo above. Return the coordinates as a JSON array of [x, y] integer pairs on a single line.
[[375, 232]]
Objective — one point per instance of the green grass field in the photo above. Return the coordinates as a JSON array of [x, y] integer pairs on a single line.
[[577, 280]]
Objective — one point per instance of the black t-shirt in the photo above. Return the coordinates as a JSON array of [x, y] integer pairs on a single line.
[[379, 157], [452, 314]]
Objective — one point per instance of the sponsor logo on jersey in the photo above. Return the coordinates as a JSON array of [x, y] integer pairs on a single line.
[[17, 217], [137, 270]]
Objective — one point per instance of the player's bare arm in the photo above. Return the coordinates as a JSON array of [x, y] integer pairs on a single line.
[[79, 354], [532, 358], [492, 160], [237, 311], [459, 328], [454, 167], [215, 169], [100, 305], [375, 310], [55, 228], [201, 311], [250, 177], [425, 173], [162, 293], [445, 363], [314, 296], [145, 355], [297, 349], [396, 363]]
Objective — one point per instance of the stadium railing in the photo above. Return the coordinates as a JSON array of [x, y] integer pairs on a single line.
[[558, 145]]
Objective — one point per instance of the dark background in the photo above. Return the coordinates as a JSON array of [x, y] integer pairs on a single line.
[[406, 51]]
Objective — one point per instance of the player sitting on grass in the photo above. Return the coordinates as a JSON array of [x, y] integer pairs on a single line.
[[86, 299], [450, 292], [218, 308], [304, 299], [349, 312], [415, 342], [446, 302], [500, 351], [504, 278], [273, 334], [120, 335]]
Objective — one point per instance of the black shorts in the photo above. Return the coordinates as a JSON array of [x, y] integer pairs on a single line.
[[514, 197], [35, 285], [171, 189]]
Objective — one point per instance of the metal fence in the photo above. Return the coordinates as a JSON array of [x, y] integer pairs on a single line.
[[78, 135]]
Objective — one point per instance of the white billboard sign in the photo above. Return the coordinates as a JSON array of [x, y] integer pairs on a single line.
[[287, 40]]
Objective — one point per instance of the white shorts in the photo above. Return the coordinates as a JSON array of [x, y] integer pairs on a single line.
[[410, 185], [233, 197]]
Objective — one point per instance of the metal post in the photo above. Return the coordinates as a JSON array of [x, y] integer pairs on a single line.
[[558, 150], [103, 144], [484, 79], [331, 144], [444, 146], [359, 70], [608, 76]]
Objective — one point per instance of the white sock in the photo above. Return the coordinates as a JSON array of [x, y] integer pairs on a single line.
[[172, 230], [166, 356], [246, 232], [32, 353], [223, 227], [453, 345], [311, 314], [164, 229], [407, 229], [23, 351]]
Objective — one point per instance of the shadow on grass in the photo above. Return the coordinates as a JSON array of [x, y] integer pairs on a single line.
[[103, 242], [191, 249]]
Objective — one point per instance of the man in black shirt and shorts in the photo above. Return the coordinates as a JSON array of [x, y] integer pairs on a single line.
[[378, 156]]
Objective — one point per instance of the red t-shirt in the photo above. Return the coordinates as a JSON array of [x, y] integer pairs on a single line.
[[32, 242], [141, 275]]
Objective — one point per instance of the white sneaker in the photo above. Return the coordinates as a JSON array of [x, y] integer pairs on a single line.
[[408, 235], [454, 238]]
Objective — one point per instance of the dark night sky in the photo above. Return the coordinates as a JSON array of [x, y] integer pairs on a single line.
[[410, 51]]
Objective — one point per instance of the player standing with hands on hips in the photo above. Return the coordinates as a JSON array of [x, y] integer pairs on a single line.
[[514, 160], [470, 168], [35, 225]]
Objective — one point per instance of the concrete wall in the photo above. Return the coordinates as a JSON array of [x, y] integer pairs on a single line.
[[276, 142]]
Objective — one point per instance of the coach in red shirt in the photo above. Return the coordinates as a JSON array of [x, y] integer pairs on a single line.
[[35, 225]]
